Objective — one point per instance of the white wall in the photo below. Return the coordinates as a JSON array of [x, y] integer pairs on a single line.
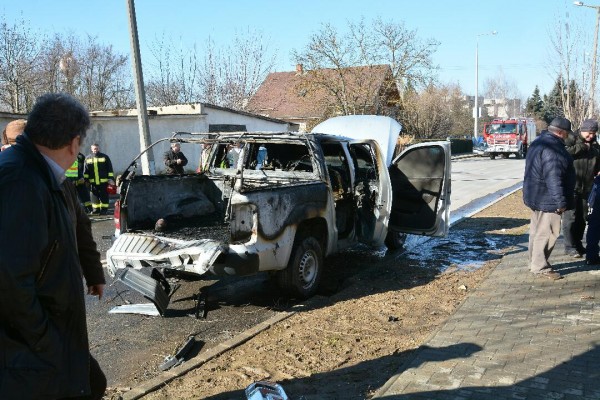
[[118, 135]]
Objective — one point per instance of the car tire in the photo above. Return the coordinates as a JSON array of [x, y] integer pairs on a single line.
[[519, 154], [395, 240], [302, 275], [492, 156]]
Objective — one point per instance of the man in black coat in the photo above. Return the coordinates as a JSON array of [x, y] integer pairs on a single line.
[[175, 160], [586, 155], [43, 333], [548, 189]]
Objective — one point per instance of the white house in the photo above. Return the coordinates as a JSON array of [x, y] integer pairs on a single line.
[[117, 132]]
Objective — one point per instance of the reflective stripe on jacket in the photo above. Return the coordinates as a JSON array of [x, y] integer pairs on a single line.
[[98, 169]]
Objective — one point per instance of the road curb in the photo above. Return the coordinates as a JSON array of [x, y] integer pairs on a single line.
[[167, 376]]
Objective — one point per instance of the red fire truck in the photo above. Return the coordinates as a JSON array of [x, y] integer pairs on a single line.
[[504, 137]]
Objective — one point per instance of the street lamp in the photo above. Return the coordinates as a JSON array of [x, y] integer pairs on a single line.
[[593, 83], [476, 111]]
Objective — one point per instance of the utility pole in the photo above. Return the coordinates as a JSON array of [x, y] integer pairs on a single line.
[[140, 94], [476, 110]]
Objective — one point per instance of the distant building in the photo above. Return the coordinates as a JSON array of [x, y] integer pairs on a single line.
[[497, 108], [307, 97]]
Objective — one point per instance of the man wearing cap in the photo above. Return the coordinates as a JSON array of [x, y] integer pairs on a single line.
[[548, 189], [584, 149]]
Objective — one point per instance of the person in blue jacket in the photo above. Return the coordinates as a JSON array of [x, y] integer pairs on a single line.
[[592, 236], [548, 190]]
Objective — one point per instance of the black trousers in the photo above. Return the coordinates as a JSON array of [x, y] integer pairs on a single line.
[[84, 196], [573, 224], [97, 382], [593, 233], [99, 197]]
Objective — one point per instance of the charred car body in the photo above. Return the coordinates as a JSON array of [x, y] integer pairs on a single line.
[[278, 202]]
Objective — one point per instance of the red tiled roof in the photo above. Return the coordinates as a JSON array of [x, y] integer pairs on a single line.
[[290, 95]]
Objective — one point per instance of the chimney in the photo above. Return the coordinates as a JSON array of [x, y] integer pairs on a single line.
[[299, 68]]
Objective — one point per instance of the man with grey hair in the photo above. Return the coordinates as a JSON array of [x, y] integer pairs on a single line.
[[584, 149], [43, 331], [548, 189]]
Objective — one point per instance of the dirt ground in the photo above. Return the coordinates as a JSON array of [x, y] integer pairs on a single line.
[[352, 342]]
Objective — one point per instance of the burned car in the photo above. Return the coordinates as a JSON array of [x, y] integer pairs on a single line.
[[278, 202]]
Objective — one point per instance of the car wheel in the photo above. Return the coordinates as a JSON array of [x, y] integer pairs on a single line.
[[302, 275], [492, 156], [395, 240]]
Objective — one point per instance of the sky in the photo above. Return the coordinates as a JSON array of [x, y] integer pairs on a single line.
[[521, 49]]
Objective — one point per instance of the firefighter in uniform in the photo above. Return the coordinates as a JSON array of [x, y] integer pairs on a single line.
[[98, 172], [75, 175]]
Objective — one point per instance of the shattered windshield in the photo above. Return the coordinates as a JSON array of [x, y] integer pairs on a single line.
[[503, 128]]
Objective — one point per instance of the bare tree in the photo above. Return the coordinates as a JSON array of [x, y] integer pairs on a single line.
[[230, 75], [172, 79], [99, 66], [572, 68], [500, 87], [59, 66], [332, 60], [437, 111], [226, 76], [19, 55]]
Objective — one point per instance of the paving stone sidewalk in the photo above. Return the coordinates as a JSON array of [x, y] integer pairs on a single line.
[[518, 336]]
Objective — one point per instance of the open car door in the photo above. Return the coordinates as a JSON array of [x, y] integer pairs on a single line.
[[420, 179]]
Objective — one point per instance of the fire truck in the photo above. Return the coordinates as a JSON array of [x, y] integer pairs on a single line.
[[504, 137]]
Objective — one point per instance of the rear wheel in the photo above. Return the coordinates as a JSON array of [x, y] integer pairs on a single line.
[[492, 156], [302, 275], [394, 240]]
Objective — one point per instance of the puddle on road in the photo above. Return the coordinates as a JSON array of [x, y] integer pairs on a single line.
[[463, 249]]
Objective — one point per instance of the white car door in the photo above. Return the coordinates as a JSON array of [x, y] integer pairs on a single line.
[[420, 180]]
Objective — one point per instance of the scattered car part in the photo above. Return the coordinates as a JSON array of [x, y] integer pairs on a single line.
[[264, 390], [142, 309], [179, 357], [148, 286]]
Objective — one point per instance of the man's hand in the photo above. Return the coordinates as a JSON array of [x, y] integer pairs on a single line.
[[96, 290], [561, 210], [178, 161]]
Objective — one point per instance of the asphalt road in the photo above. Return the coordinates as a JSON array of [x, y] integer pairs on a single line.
[[130, 347]]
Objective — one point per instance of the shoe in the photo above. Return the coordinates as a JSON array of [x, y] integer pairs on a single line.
[[592, 262], [551, 275], [575, 254]]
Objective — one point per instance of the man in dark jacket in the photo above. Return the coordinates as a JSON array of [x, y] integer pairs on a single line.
[[175, 160], [586, 155], [43, 334], [548, 189]]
